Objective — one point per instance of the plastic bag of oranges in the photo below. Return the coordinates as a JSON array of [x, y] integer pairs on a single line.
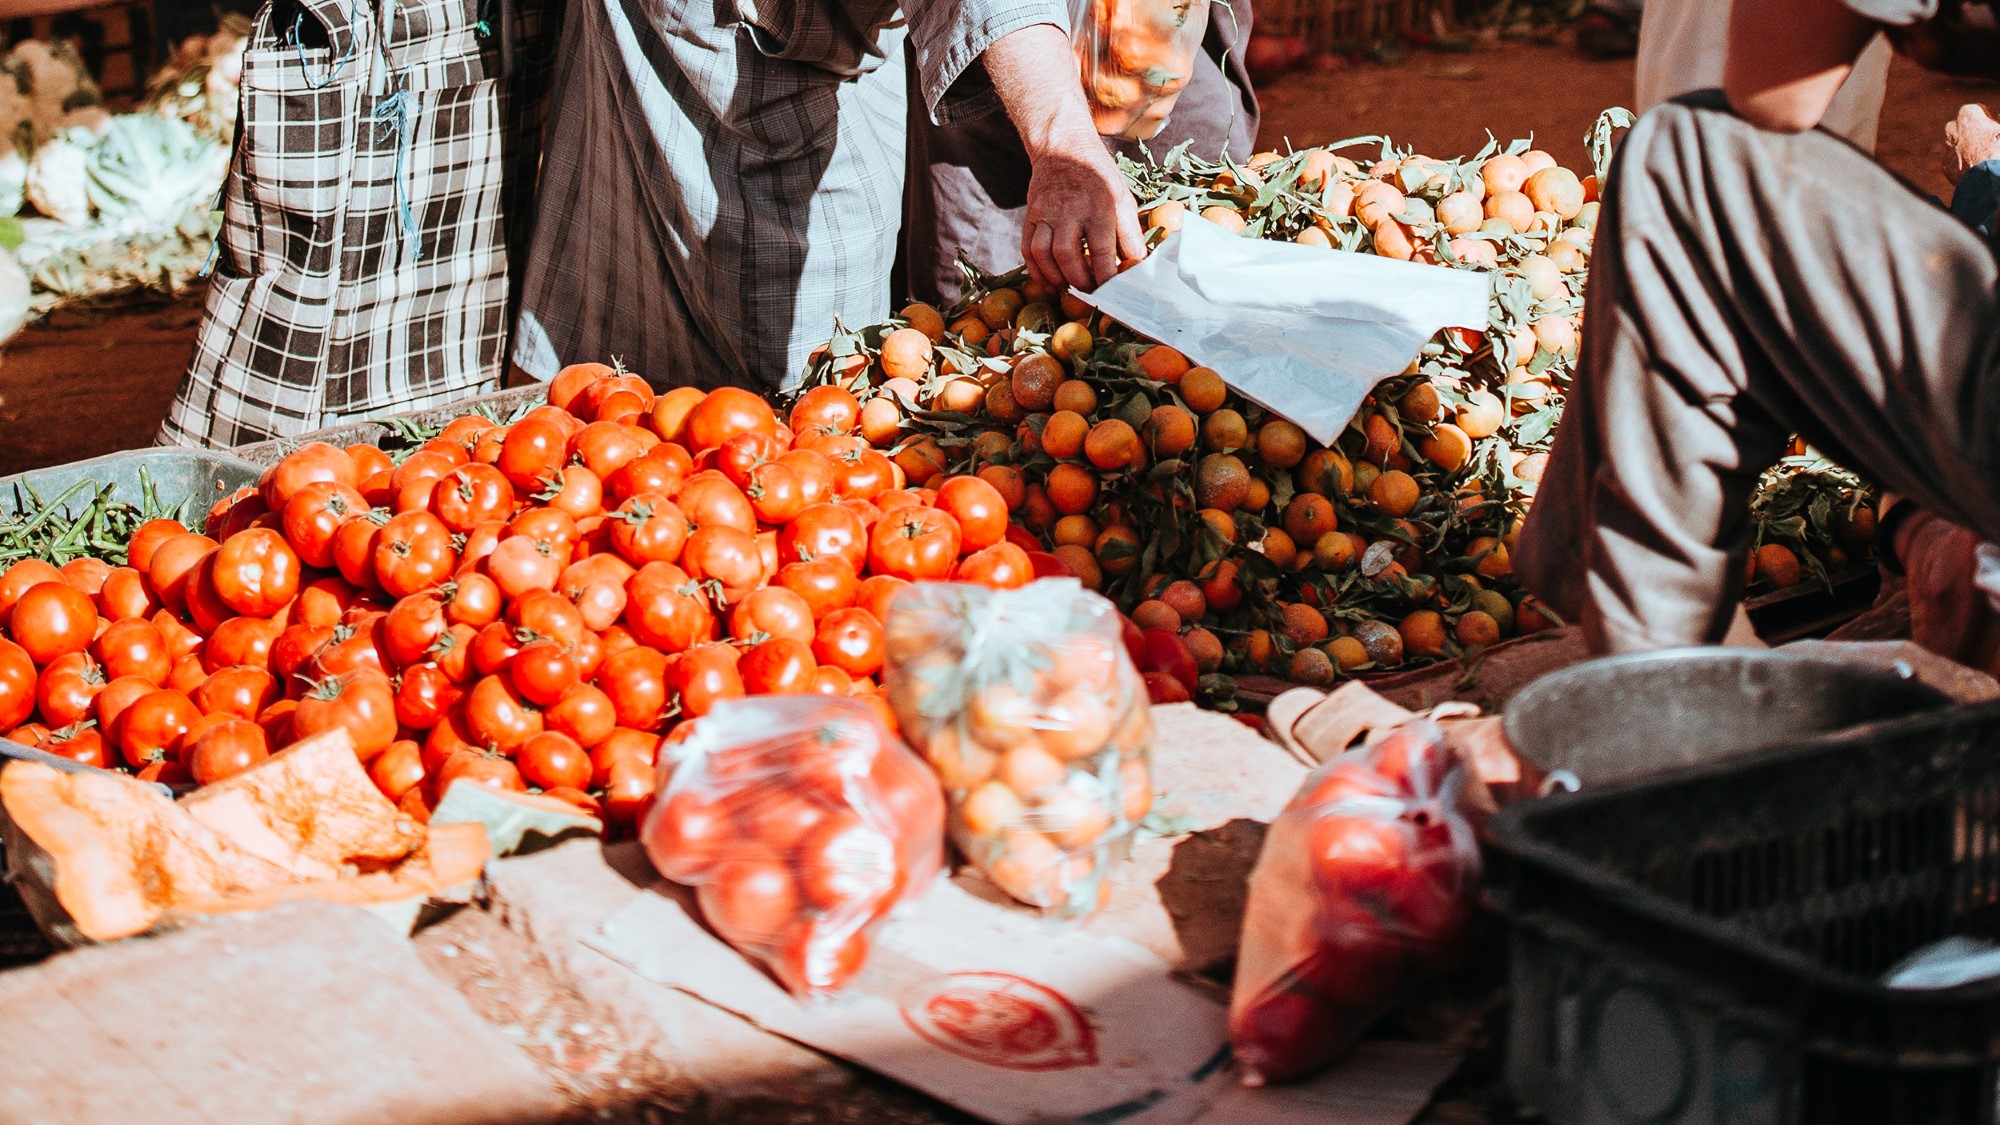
[[1136, 56], [1028, 707], [801, 822], [1365, 883]]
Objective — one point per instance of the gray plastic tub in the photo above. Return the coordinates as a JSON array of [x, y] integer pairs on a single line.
[[502, 404], [195, 478]]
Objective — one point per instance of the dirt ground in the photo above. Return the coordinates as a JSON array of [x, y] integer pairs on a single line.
[[87, 383]]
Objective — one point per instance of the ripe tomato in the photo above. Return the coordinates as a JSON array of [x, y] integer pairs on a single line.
[[112, 701], [313, 515], [600, 598], [360, 703], [624, 743], [585, 714], [825, 584], [352, 649], [824, 531], [548, 614], [628, 791], [606, 447], [741, 453], [398, 769], [726, 556], [651, 473], [666, 609], [636, 682], [472, 599], [862, 474], [542, 673], [845, 861], [877, 592], [478, 547], [172, 561], [87, 574], [752, 900], [152, 725], [493, 647], [452, 653], [423, 695], [532, 451], [471, 495], [412, 552], [710, 500], [575, 491], [296, 651], [1002, 566], [773, 611], [256, 572], [917, 543], [726, 412], [978, 507], [51, 620], [354, 547], [311, 462], [550, 761], [480, 767], [780, 666], [547, 526], [180, 639], [412, 626], [774, 492], [243, 692], [648, 528], [67, 687], [496, 715], [850, 640], [139, 550], [704, 676], [81, 744], [520, 564], [187, 674], [226, 750], [126, 594], [826, 409], [686, 833]]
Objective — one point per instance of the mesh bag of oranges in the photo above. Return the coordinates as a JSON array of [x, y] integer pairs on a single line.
[[1365, 883], [1136, 57], [1027, 705], [801, 822]]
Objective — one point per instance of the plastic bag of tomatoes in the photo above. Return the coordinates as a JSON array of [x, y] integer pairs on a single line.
[[1027, 705], [801, 822], [1365, 884]]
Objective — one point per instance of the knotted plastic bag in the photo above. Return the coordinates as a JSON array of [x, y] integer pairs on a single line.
[[1136, 57], [801, 822], [1027, 705], [1365, 884]]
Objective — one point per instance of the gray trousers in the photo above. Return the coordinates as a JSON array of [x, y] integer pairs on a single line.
[[1745, 285]]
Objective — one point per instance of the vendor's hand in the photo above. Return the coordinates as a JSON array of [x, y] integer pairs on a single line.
[[1970, 138], [1078, 200]]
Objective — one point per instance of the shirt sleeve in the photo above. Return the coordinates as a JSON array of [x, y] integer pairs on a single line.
[[1977, 197], [947, 38], [1895, 13]]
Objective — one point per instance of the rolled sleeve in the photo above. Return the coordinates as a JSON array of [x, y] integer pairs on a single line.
[[948, 36], [1976, 200]]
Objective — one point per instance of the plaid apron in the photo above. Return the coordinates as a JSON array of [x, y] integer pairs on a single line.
[[362, 266], [727, 179]]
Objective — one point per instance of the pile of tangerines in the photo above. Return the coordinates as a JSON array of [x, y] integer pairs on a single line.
[[537, 604]]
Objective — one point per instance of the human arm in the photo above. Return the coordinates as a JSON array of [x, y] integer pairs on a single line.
[[1787, 59], [1077, 197], [1972, 165]]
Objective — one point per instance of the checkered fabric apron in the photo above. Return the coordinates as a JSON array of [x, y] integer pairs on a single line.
[[362, 267]]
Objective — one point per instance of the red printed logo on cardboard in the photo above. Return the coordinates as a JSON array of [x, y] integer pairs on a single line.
[[1002, 1020]]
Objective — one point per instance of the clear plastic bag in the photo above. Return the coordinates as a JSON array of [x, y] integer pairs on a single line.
[[1365, 883], [1136, 56], [801, 822], [1027, 705]]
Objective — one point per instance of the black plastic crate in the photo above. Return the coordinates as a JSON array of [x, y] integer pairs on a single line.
[[1708, 945]]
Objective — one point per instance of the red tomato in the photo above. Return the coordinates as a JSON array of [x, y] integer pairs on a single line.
[[256, 572], [825, 584], [138, 551], [67, 688], [520, 564], [774, 492], [780, 666], [471, 495], [1002, 566], [240, 642], [87, 574], [497, 716], [863, 474], [628, 791], [354, 548], [816, 956], [493, 647], [824, 531], [920, 544], [424, 693], [226, 750], [710, 500], [480, 767], [412, 552], [828, 680], [473, 599], [651, 473], [296, 651], [606, 447], [585, 714], [453, 653], [635, 680], [845, 861], [314, 461], [550, 760], [542, 673], [322, 601], [412, 626], [362, 704], [773, 611], [666, 609], [827, 410], [187, 674], [1357, 855], [243, 692], [547, 526], [313, 516], [480, 543], [398, 769], [51, 620], [751, 900], [532, 452], [81, 744], [548, 614], [152, 725], [686, 833], [877, 592], [704, 676], [575, 491], [741, 453], [648, 528], [173, 561], [725, 412], [815, 475], [1161, 650], [978, 507], [126, 594], [851, 640]]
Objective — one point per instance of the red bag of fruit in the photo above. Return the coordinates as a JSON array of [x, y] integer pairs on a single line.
[[801, 822], [1026, 704], [1365, 883]]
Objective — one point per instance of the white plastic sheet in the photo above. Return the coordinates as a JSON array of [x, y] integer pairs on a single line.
[[1301, 330]]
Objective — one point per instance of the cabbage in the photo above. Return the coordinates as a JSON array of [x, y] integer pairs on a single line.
[[149, 168], [59, 182], [13, 179], [13, 295]]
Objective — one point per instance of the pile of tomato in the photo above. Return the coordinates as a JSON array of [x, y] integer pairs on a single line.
[[537, 604]]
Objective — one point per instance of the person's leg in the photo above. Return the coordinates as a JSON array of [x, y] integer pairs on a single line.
[[1744, 285]]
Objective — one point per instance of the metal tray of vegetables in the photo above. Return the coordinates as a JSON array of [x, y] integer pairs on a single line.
[[92, 507]]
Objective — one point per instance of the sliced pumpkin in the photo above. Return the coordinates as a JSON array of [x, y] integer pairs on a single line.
[[312, 807], [444, 866]]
